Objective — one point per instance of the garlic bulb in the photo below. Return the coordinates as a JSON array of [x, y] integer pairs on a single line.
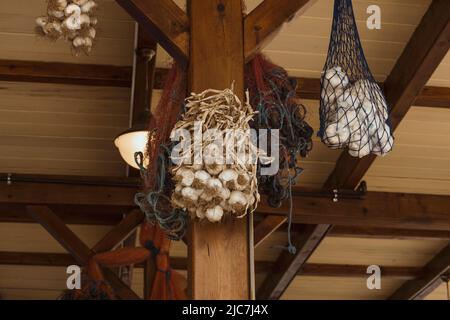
[[190, 194], [41, 21], [84, 19], [80, 41], [88, 6], [214, 214], [214, 168], [229, 177], [224, 193], [213, 186], [336, 78], [200, 212], [237, 201], [242, 181], [56, 13], [201, 178], [185, 176], [58, 4]]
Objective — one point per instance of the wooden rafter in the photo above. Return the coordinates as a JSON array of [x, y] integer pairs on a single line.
[[266, 227], [429, 280], [261, 24], [377, 209], [129, 223], [120, 76], [165, 22], [421, 56], [79, 251], [177, 263]]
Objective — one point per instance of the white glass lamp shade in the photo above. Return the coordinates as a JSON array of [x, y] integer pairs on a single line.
[[130, 142]]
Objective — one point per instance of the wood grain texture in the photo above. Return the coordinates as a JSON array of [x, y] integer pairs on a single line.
[[218, 253], [165, 22]]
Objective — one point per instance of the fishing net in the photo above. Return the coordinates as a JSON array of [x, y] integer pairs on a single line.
[[273, 95], [353, 110]]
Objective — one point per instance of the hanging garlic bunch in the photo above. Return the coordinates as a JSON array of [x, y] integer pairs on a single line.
[[222, 179], [354, 115], [72, 20]]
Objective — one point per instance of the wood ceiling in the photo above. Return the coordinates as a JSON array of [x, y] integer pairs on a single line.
[[67, 129]]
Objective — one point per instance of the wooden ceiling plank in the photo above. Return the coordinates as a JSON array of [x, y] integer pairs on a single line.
[[165, 22], [261, 24], [420, 287], [81, 253], [422, 55]]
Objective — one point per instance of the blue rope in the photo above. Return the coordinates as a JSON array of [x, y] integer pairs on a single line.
[[174, 223]]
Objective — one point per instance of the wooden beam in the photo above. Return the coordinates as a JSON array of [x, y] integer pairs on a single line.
[[261, 24], [177, 263], [288, 265], [131, 221], [378, 209], [219, 254], [420, 287], [76, 247], [65, 194], [421, 56], [65, 73], [266, 227], [120, 76], [165, 22]]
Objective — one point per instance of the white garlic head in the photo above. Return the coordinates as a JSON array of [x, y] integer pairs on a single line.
[[214, 214], [238, 202]]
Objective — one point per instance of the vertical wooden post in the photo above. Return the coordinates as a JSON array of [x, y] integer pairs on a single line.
[[219, 265]]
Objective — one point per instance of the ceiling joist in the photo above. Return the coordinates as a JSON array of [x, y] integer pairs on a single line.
[[377, 209], [177, 263], [120, 76]]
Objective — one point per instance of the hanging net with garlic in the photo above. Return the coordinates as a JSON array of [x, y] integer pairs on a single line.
[[353, 110], [71, 20], [215, 174]]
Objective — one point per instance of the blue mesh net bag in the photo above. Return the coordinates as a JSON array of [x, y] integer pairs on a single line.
[[353, 110]]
